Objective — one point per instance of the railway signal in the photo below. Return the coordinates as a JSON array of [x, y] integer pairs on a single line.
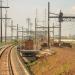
[[61, 19]]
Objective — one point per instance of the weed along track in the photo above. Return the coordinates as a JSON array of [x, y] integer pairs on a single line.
[[62, 63]]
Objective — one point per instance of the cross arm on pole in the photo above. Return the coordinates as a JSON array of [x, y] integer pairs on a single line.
[[53, 17], [5, 18], [73, 17], [14, 29], [69, 18], [22, 31], [12, 26], [47, 27], [64, 18], [4, 7], [53, 13], [41, 21]]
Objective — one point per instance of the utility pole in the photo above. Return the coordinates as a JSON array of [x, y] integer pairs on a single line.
[[48, 25], [59, 32], [22, 33], [11, 30], [6, 27], [17, 32], [45, 24], [1, 19], [45, 20], [35, 28], [53, 32], [60, 21], [30, 29], [28, 21], [45, 16], [35, 32]]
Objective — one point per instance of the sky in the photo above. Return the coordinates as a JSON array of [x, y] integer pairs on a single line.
[[20, 10]]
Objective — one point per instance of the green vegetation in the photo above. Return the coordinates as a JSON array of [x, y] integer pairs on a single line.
[[15, 42], [32, 63], [1, 44], [26, 65], [63, 69]]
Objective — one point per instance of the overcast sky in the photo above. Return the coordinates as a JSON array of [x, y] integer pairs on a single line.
[[22, 9]]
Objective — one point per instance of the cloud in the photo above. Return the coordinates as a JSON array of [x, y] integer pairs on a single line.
[[72, 10]]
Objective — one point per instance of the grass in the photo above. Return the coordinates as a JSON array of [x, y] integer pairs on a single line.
[[26, 65], [1, 44], [32, 63], [14, 42], [63, 69]]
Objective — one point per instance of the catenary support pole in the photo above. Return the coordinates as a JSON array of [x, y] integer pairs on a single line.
[[48, 25]]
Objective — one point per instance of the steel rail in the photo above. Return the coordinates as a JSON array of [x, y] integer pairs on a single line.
[[9, 63], [10, 69]]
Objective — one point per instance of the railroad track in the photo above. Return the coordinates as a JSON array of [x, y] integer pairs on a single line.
[[5, 61], [3, 48]]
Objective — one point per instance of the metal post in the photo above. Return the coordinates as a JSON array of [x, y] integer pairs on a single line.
[[11, 30], [53, 32], [1, 18], [6, 27], [22, 33], [59, 33], [60, 20], [17, 31], [48, 24], [45, 20], [30, 29], [35, 32], [45, 16], [1, 22], [28, 20]]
